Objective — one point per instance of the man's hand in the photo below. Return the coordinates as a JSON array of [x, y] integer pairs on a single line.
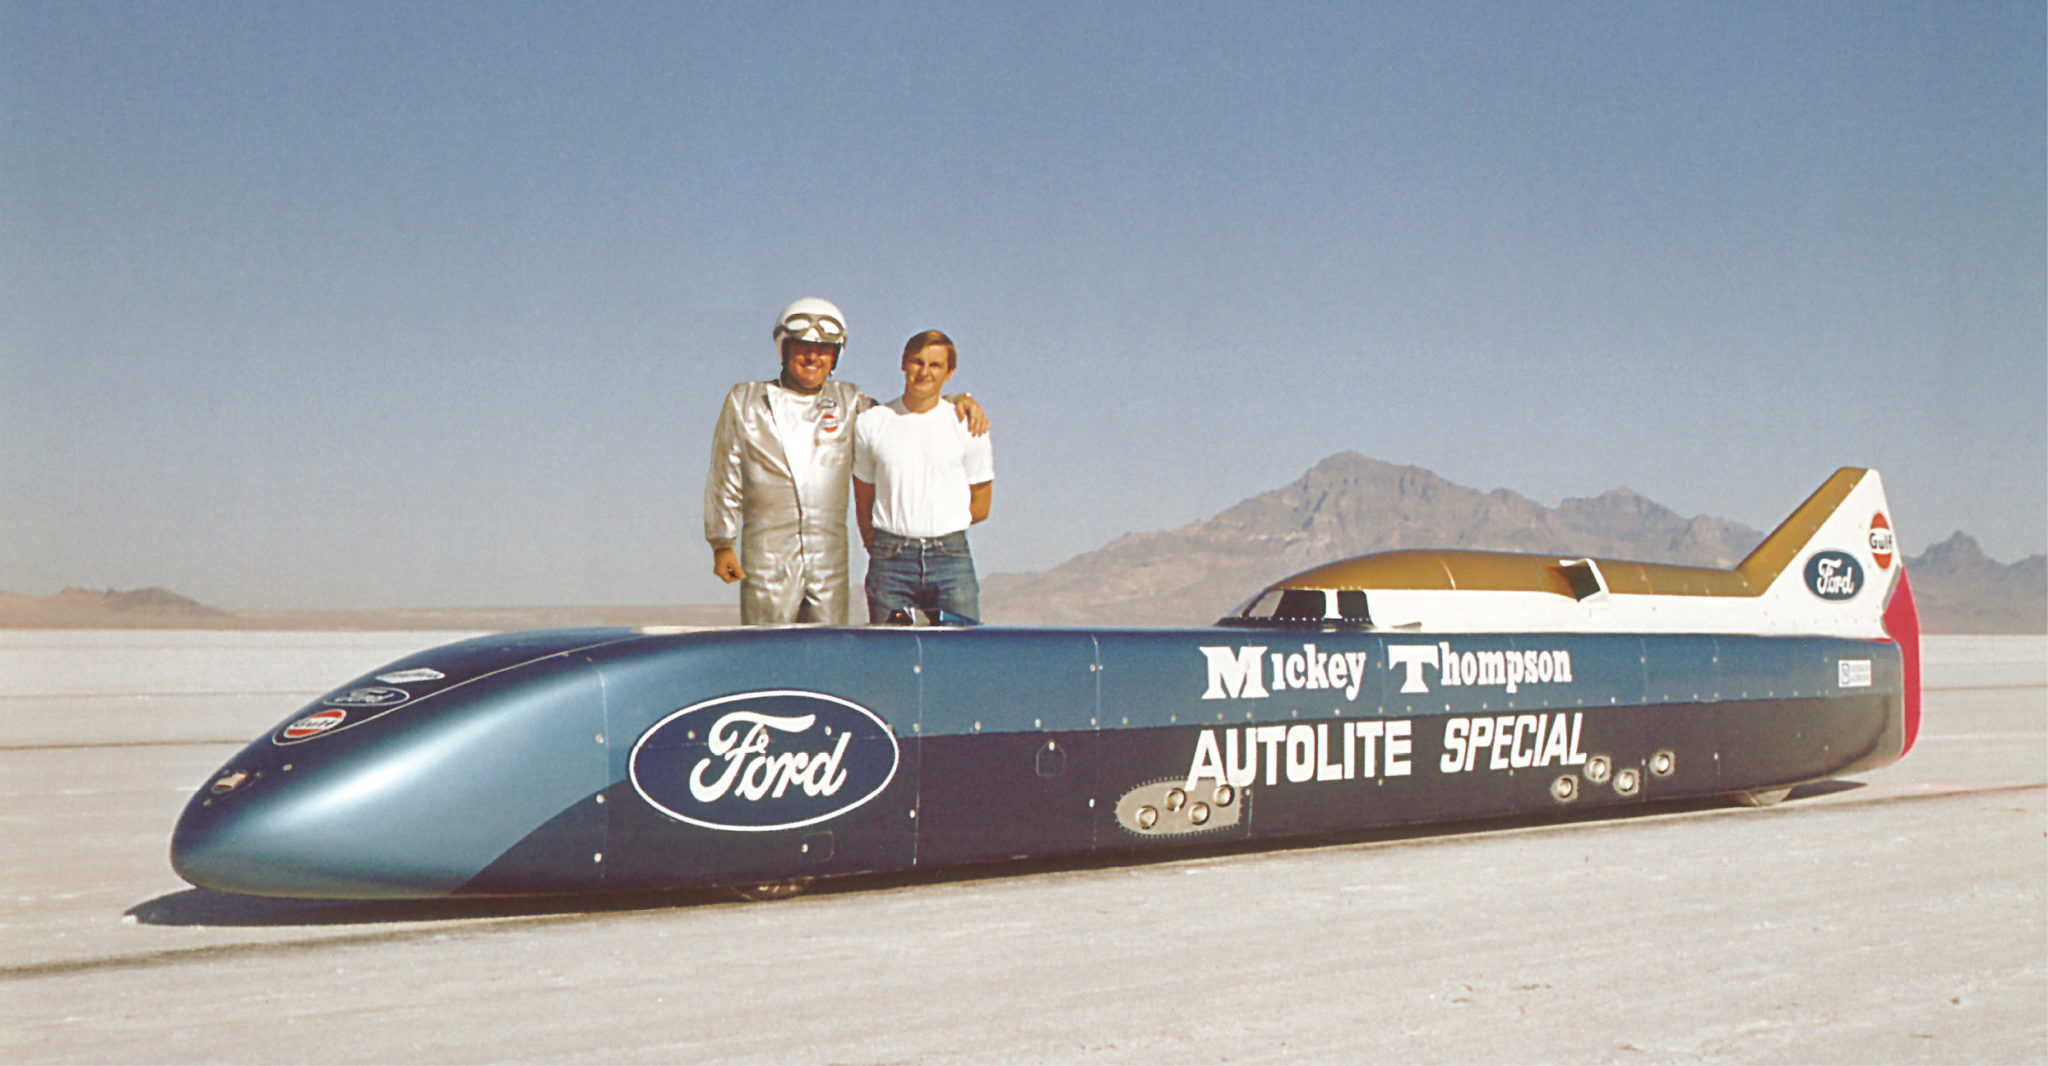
[[978, 500], [727, 566], [970, 413]]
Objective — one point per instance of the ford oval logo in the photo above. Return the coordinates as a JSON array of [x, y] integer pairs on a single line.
[[1833, 575], [764, 760], [374, 696]]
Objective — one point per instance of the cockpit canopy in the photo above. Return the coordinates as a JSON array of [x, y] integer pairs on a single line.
[[1306, 608], [1338, 595]]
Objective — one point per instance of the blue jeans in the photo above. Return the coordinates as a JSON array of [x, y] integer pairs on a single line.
[[928, 573]]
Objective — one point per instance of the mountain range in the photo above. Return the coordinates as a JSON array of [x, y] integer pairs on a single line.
[[1350, 505], [1960, 590], [1343, 506]]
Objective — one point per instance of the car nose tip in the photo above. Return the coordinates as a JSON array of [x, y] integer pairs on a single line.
[[231, 850], [206, 852], [258, 849]]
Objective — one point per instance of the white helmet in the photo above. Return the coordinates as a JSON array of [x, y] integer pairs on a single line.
[[810, 319]]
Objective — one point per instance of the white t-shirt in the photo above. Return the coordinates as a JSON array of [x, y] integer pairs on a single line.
[[921, 466]]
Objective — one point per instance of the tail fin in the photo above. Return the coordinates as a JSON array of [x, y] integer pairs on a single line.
[[1834, 567], [1773, 557]]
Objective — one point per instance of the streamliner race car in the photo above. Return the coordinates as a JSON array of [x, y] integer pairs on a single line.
[[1393, 689]]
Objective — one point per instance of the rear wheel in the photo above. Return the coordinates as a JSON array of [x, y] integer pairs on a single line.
[[771, 890], [1761, 797]]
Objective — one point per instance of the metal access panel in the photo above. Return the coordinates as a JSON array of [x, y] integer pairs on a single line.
[[1008, 737]]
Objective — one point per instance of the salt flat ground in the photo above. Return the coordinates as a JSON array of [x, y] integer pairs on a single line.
[[1900, 919]]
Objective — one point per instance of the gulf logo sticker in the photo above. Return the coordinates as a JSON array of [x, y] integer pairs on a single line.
[[1881, 541], [312, 725]]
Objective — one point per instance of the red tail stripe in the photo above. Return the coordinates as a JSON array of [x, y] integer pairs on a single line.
[[1902, 624]]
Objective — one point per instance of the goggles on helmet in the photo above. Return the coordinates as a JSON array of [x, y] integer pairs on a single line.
[[818, 329]]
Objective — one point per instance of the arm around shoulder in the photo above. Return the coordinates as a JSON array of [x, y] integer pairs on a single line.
[[970, 413]]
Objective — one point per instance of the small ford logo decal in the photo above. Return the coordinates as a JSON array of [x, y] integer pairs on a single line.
[[375, 696], [759, 761], [1833, 575]]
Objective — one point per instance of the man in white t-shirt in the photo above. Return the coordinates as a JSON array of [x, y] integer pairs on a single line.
[[919, 480], [775, 495]]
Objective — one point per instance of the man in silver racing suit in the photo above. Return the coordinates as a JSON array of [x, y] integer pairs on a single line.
[[781, 458]]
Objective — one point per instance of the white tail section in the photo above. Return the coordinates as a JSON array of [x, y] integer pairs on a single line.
[[1831, 566]]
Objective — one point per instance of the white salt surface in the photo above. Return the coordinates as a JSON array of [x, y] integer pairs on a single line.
[[98, 686], [156, 662]]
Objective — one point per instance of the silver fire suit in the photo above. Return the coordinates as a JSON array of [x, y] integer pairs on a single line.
[[790, 527]]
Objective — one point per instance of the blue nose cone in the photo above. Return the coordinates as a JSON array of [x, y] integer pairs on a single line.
[[487, 790], [354, 822], [280, 839]]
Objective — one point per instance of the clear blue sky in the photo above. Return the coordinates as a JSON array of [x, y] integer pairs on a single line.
[[433, 304]]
